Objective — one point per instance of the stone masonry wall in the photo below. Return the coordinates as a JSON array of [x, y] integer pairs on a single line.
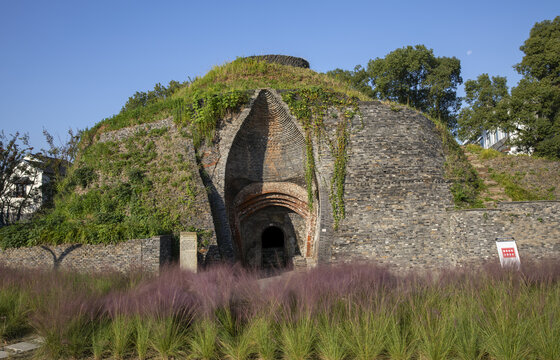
[[142, 254], [395, 192], [399, 209], [535, 226]]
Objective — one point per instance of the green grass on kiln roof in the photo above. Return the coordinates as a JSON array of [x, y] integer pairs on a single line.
[[248, 74], [242, 74]]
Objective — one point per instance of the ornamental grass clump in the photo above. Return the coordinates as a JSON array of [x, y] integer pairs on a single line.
[[329, 313], [14, 311]]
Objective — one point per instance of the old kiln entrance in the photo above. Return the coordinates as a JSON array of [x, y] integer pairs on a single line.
[[264, 190]]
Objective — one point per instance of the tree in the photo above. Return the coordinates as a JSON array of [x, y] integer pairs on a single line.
[[141, 98], [18, 189], [486, 108], [442, 82], [56, 160], [531, 114], [414, 76], [535, 117], [357, 79], [535, 101], [542, 53], [63, 155], [27, 179]]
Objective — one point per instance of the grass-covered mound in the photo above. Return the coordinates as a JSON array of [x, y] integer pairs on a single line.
[[339, 313], [119, 190], [221, 88], [466, 185], [142, 186]]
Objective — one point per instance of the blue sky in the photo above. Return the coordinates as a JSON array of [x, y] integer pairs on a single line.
[[72, 63]]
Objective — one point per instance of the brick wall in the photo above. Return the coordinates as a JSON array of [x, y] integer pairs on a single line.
[[142, 254]]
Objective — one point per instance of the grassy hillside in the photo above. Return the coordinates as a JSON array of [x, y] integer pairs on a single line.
[[514, 177], [120, 190]]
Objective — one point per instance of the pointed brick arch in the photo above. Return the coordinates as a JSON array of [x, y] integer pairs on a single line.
[[265, 169]]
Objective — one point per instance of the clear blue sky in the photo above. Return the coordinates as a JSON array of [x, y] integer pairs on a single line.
[[72, 63]]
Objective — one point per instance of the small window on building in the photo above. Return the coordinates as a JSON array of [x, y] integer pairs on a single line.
[[20, 187], [20, 190]]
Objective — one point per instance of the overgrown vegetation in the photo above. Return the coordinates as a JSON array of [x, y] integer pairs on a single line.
[[466, 185], [531, 111], [199, 103], [310, 106], [347, 312], [522, 177], [113, 192]]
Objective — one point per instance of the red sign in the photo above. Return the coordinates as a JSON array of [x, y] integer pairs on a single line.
[[508, 252]]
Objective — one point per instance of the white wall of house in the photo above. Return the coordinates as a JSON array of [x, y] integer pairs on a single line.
[[28, 190], [490, 139]]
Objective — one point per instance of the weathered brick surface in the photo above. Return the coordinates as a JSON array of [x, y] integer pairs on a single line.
[[142, 254], [283, 60], [395, 192]]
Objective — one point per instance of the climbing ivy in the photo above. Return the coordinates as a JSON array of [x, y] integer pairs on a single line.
[[310, 106]]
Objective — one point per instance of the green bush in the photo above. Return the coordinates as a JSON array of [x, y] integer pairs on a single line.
[[487, 154]]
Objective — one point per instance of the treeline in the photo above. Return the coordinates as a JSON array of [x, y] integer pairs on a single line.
[[414, 76]]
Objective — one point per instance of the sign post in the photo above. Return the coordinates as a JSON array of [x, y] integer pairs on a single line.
[[507, 251]]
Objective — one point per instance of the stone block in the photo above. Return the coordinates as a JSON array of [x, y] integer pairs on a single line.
[[188, 251]]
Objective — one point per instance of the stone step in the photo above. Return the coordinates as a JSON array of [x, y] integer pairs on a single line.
[[22, 347]]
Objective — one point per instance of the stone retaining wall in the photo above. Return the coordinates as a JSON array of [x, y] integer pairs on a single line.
[[141, 254], [535, 226]]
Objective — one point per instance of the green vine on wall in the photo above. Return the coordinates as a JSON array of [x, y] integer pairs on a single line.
[[310, 106]]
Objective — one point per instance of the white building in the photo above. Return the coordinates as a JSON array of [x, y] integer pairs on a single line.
[[29, 188], [498, 139]]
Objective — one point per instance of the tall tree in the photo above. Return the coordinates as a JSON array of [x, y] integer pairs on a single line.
[[535, 102], [486, 108], [416, 77], [442, 83], [535, 117], [542, 52]]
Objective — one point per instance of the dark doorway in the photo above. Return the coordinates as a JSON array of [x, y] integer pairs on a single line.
[[272, 240], [272, 237]]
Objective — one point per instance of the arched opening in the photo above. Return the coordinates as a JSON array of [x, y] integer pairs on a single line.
[[272, 237], [265, 188], [272, 248]]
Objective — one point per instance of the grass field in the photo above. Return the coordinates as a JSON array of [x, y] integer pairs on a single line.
[[344, 312]]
